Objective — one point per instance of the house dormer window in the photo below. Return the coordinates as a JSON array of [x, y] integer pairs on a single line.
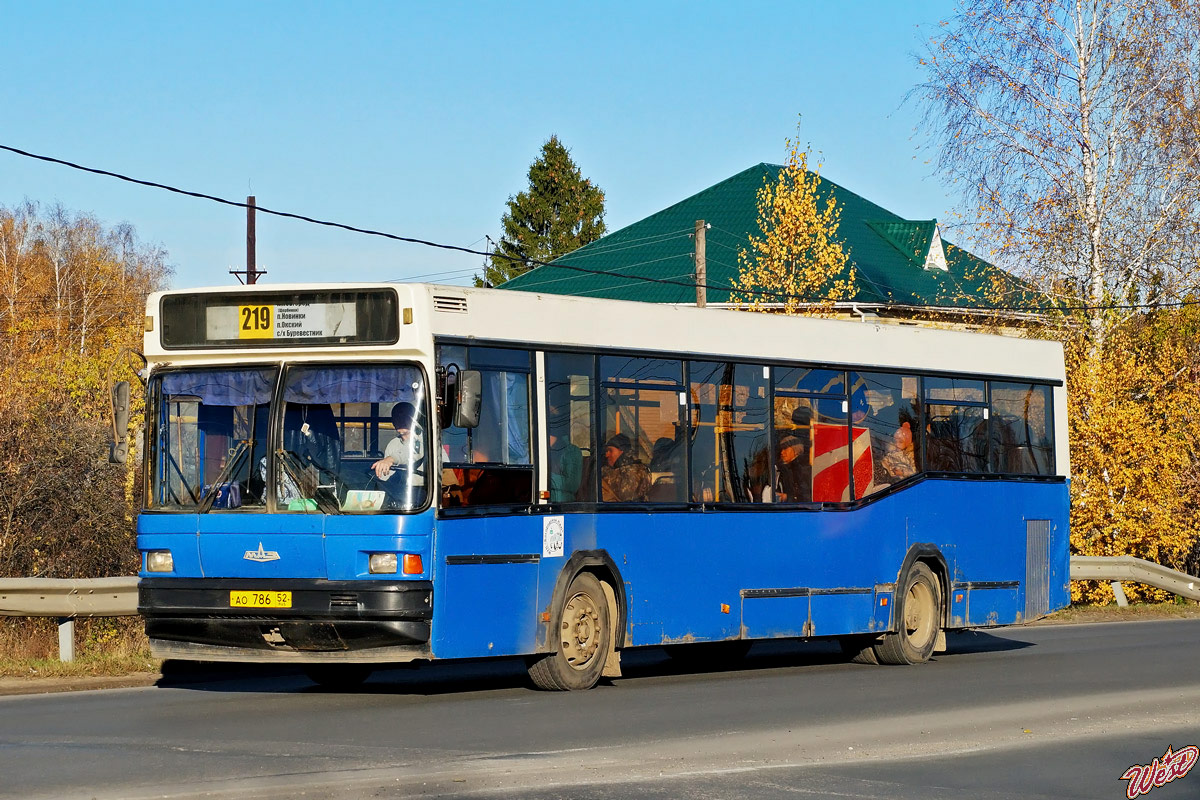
[[936, 257]]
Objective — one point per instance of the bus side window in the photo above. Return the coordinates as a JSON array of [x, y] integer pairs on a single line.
[[492, 463], [729, 412], [892, 418], [571, 471], [641, 399], [1022, 440]]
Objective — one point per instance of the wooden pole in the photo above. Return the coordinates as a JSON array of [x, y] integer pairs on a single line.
[[701, 268], [251, 271]]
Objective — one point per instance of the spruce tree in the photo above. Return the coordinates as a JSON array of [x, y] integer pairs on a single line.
[[559, 212]]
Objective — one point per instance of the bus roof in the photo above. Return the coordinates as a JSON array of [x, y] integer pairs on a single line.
[[530, 318]]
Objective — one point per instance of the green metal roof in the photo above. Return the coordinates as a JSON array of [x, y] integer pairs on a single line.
[[887, 252]]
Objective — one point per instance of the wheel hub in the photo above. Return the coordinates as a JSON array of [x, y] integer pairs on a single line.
[[580, 626]]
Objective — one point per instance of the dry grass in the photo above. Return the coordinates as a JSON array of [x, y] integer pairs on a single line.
[[106, 646], [1135, 612]]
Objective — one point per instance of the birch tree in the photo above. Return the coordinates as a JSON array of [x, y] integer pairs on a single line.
[[796, 262], [1071, 128]]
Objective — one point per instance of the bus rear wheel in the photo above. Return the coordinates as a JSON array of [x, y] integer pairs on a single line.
[[583, 639], [919, 610]]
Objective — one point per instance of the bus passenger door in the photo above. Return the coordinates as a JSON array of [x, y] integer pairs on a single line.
[[485, 596]]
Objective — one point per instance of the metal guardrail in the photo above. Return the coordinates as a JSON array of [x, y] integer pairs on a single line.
[[68, 599], [1136, 570]]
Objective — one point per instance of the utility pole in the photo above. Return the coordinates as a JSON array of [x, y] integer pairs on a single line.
[[251, 271], [701, 268]]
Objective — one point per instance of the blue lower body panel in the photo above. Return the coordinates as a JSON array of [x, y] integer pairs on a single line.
[[678, 576], [714, 575]]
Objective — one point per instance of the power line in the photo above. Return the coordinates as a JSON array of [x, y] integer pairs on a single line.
[[558, 264]]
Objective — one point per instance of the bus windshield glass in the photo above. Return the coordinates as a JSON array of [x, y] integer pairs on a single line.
[[208, 438], [354, 439]]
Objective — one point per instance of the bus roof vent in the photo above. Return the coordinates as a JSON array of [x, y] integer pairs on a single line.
[[450, 303]]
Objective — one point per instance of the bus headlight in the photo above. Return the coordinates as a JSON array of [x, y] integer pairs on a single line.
[[159, 561], [383, 564]]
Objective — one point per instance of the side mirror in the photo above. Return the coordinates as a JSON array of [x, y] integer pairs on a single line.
[[119, 450], [468, 398]]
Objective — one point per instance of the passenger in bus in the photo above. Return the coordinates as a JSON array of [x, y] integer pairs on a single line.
[[794, 471], [623, 479], [899, 460], [566, 460], [943, 449], [406, 450]]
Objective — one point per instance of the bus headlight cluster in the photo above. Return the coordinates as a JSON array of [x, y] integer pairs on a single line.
[[389, 563], [159, 561], [383, 563]]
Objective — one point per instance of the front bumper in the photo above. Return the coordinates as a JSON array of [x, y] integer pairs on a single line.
[[325, 616]]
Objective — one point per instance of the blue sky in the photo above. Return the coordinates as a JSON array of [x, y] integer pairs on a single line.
[[422, 119]]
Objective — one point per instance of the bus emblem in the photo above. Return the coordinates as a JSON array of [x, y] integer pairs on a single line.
[[261, 555]]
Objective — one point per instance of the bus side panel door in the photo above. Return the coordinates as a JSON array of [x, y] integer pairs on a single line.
[[486, 586], [839, 611], [779, 614], [993, 606]]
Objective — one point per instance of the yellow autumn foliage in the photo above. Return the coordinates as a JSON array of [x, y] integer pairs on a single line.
[[797, 263], [1134, 417], [72, 296]]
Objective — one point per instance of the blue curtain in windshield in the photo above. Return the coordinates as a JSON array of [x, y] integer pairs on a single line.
[[222, 387], [360, 384]]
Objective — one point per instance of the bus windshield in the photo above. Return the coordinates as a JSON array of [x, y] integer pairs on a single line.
[[352, 438], [208, 438]]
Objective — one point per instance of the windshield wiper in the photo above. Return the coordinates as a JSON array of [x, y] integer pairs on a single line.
[[294, 468], [235, 460]]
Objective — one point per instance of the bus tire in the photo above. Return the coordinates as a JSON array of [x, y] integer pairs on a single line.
[[582, 642], [337, 676], [919, 614]]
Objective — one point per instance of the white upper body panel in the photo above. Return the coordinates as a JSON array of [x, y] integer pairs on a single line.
[[528, 318]]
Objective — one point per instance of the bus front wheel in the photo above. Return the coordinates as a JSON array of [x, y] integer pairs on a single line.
[[582, 640], [920, 612]]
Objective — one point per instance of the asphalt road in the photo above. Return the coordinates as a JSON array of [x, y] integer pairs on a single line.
[[1043, 712]]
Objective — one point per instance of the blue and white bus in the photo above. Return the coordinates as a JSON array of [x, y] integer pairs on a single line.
[[347, 476]]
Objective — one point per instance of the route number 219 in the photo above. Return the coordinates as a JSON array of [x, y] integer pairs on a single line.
[[256, 322]]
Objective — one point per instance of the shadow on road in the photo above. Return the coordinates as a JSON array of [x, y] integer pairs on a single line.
[[962, 642], [509, 673]]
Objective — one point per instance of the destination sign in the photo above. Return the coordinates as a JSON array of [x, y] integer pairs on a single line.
[[267, 321], [277, 319]]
